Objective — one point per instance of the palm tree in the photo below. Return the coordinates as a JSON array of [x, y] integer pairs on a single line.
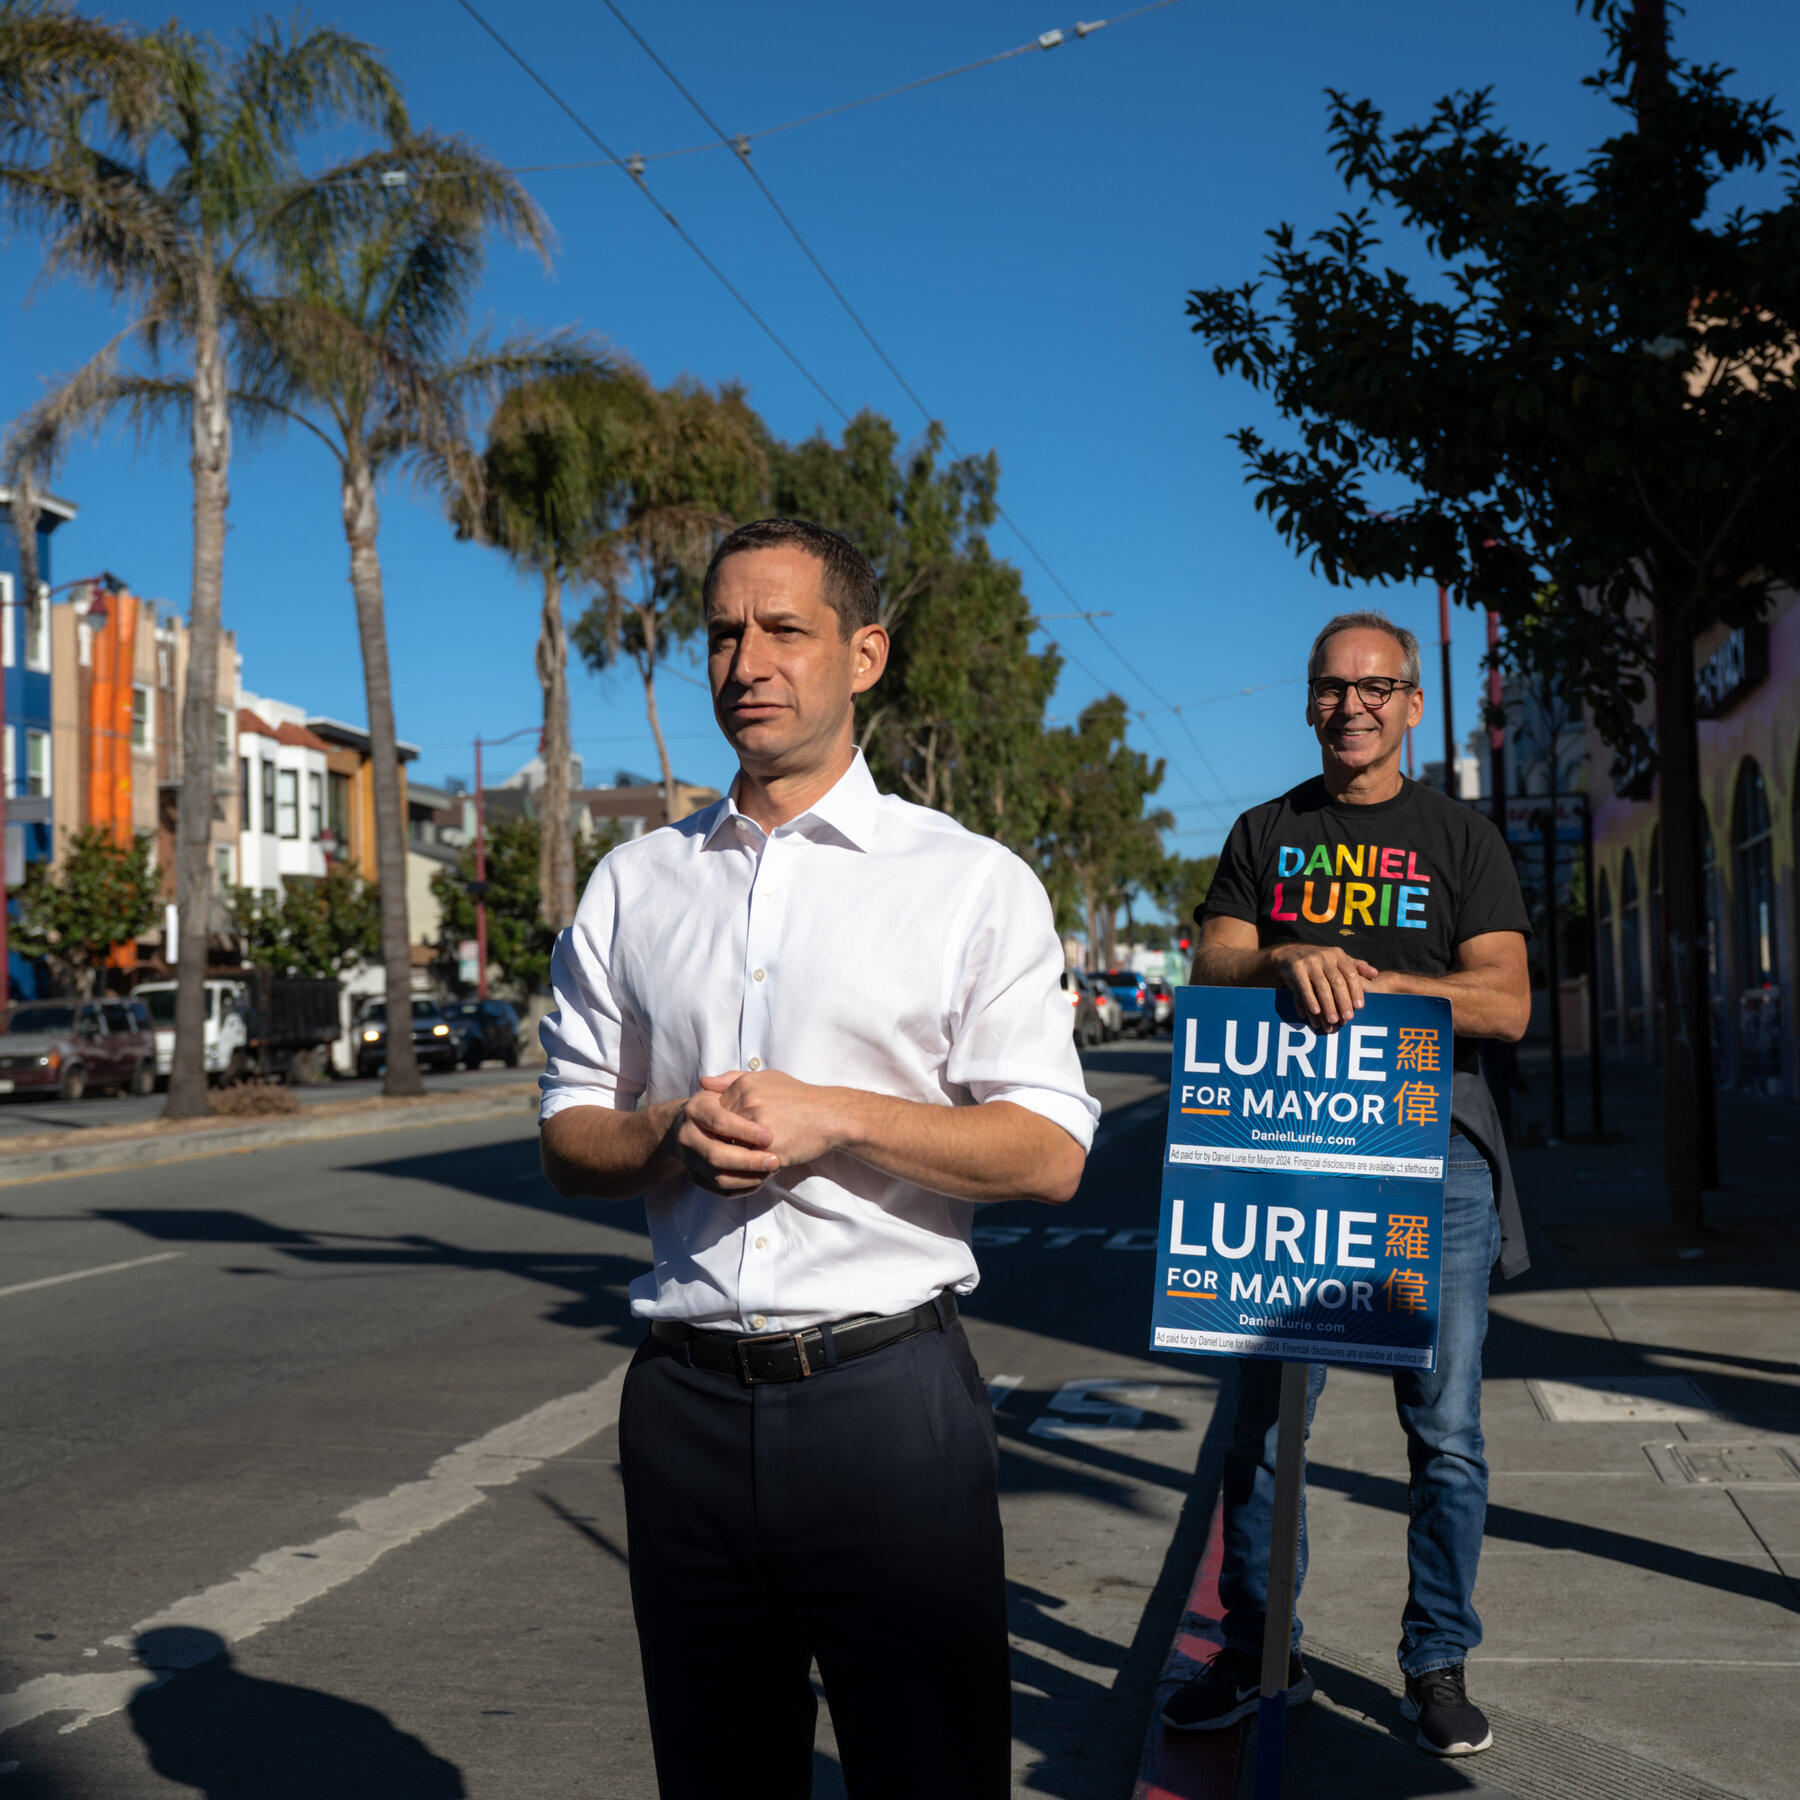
[[360, 346], [695, 468], [149, 160], [557, 450]]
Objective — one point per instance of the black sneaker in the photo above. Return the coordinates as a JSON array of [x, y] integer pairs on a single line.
[[1229, 1688], [1450, 1724]]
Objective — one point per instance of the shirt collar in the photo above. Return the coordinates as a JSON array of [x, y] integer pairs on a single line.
[[848, 809]]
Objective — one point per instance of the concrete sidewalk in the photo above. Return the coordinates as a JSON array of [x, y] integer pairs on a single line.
[[1640, 1580]]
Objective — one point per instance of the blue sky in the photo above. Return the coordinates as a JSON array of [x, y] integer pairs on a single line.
[[1022, 240]]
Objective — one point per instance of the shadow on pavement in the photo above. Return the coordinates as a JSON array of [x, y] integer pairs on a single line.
[[234, 1736]]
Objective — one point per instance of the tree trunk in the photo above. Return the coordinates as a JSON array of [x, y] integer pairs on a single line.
[[647, 668], [362, 525], [1689, 1100], [556, 850], [210, 464]]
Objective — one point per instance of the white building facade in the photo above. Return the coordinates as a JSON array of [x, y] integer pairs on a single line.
[[281, 792]]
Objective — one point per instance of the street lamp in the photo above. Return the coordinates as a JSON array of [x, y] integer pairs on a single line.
[[480, 884]]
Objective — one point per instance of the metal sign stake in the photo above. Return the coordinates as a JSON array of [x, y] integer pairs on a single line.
[[1284, 1552]]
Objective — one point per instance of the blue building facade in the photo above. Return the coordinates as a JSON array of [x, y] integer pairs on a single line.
[[27, 738]]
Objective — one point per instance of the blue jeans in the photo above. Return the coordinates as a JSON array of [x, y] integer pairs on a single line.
[[1441, 1414]]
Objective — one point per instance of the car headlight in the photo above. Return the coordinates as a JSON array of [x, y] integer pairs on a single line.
[[440, 1031], [43, 1062], [370, 1037]]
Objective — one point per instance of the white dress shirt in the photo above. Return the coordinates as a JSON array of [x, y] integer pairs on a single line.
[[868, 943]]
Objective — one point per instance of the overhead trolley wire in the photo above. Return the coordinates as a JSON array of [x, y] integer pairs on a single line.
[[675, 224], [741, 148]]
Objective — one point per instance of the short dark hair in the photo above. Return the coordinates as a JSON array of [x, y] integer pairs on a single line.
[[850, 586]]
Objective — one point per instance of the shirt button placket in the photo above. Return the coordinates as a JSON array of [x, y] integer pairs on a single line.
[[762, 942]]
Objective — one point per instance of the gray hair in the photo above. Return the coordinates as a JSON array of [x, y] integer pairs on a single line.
[[1367, 621]]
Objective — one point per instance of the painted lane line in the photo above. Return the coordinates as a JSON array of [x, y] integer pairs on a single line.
[[278, 1584], [137, 1262]]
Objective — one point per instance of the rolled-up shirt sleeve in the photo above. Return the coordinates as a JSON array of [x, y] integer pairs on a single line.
[[595, 1053], [1012, 1035]]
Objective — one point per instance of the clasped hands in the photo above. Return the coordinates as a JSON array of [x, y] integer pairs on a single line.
[[742, 1126]]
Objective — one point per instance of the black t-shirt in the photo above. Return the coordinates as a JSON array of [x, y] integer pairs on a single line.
[[1400, 883]]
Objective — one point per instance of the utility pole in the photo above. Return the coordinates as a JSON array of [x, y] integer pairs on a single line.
[[481, 992]]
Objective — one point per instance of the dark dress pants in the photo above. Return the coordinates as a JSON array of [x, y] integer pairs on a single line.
[[851, 1517]]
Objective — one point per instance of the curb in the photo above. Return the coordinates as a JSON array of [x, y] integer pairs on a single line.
[[207, 1140], [1191, 1765]]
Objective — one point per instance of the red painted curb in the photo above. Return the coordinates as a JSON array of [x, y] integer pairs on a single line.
[[1191, 1765]]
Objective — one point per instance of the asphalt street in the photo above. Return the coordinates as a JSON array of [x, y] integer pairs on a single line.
[[345, 1409], [23, 1116]]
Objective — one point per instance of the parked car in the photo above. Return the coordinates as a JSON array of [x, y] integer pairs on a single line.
[[66, 1047], [1112, 1015], [490, 1028], [1136, 1007], [1089, 1028], [435, 1042], [1162, 998]]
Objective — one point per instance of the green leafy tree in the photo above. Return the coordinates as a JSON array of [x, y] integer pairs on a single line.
[[1178, 886], [957, 721], [310, 928], [362, 347], [1597, 403], [557, 453], [1100, 844], [518, 939], [107, 895], [694, 467], [150, 161]]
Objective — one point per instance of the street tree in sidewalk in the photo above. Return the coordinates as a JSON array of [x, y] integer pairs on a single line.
[[694, 467], [148, 160], [957, 721], [557, 455], [1598, 401], [317, 929], [108, 894], [1178, 886], [361, 346]]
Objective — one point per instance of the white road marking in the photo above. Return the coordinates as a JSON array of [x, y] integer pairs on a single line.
[[137, 1262], [1109, 1408], [280, 1583], [1000, 1389]]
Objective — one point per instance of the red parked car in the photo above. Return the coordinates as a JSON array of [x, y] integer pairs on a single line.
[[68, 1046]]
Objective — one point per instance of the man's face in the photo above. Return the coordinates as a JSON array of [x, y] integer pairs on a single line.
[[783, 675], [1354, 735]]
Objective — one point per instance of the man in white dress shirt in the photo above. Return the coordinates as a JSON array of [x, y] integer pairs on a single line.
[[814, 1026]]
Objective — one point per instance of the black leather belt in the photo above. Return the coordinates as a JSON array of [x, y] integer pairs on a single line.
[[794, 1355]]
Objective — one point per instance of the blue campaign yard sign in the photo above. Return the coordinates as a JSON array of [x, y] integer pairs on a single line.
[[1303, 1185]]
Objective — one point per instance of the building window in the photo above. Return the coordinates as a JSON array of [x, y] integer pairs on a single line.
[[222, 864], [140, 718], [268, 798], [337, 810], [37, 763], [221, 739], [37, 631], [7, 627], [8, 765], [315, 806], [1759, 989], [1603, 933], [288, 806], [1631, 952], [245, 821]]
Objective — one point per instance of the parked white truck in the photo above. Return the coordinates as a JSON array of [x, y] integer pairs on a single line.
[[255, 1024]]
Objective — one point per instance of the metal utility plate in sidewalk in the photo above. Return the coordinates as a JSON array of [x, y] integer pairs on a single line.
[[1622, 1399], [1753, 1464]]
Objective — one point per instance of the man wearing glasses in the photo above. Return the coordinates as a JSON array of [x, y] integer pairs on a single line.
[[1362, 882]]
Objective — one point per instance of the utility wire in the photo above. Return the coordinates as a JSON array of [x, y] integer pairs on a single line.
[[643, 187], [741, 148]]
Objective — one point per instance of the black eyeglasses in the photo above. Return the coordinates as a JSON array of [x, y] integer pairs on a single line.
[[1375, 691]]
